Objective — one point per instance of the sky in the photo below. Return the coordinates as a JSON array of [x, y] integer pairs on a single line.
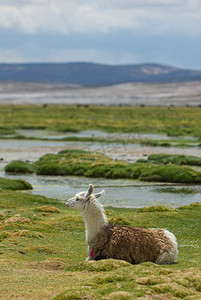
[[101, 31]]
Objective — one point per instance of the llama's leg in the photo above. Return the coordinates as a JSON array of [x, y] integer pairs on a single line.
[[89, 258]]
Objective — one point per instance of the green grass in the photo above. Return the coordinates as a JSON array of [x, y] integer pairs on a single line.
[[12, 184], [42, 253], [176, 121], [20, 167], [174, 159], [4, 130], [93, 164]]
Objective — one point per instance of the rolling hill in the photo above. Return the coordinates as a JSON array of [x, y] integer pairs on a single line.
[[91, 74]]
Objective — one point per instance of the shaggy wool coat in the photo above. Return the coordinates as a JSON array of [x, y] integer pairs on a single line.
[[132, 244]]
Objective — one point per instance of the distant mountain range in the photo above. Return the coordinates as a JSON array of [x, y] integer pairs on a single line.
[[91, 74]]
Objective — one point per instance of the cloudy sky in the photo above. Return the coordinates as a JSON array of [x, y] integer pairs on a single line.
[[103, 31]]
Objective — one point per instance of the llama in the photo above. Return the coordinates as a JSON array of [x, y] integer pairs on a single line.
[[132, 244]]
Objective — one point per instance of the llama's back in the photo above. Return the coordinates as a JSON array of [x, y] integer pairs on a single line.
[[135, 245]]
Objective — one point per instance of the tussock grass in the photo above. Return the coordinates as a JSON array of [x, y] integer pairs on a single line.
[[174, 159], [155, 208], [20, 167], [115, 218], [43, 256], [93, 164], [48, 209]]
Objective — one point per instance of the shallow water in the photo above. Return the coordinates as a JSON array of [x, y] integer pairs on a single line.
[[119, 193], [60, 135], [97, 134]]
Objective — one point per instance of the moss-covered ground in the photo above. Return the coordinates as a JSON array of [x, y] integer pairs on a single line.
[[93, 164], [175, 159], [42, 253], [20, 167], [175, 121], [12, 184]]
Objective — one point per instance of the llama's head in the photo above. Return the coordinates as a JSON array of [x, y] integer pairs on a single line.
[[81, 200]]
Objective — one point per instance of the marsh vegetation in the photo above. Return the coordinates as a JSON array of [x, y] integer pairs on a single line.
[[173, 121], [42, 243], [92, 164]]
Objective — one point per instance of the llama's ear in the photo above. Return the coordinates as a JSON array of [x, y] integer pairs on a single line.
[[99, 194], [89, 191]]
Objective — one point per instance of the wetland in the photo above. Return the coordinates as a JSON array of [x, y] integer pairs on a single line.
[[148, 161]]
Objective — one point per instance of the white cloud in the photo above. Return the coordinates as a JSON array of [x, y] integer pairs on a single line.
[[11, 55], [89, 16], [94, 55], [33, 53]]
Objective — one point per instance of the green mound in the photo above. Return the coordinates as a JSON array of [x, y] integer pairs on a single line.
[[169, 173], [174, 159], [20, 167], [157, 208], [93, 164], [98, 266], [11, 184], [48, 209]]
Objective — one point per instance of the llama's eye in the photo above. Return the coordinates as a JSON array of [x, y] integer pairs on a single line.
[[77, 199]]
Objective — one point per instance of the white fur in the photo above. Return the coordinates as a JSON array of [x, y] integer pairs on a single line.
[[91, 211], [171, 255], [94, 218]]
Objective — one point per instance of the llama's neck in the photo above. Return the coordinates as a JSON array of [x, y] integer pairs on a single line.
[[95, 219]]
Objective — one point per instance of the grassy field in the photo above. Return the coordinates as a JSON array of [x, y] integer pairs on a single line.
[[42, 253], [175, 121]]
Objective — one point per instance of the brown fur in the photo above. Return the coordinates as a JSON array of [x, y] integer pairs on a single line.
[[131, 244]]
